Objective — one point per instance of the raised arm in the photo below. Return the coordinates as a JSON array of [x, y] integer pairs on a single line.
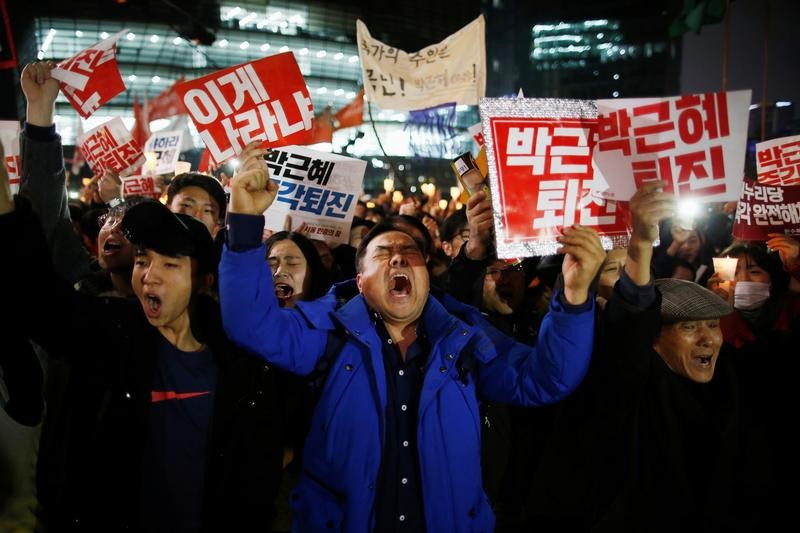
[[553, 368], [43, 174], [250, 312]]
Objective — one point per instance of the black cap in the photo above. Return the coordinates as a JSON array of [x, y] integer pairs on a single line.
[[205, 182], [153, 226]]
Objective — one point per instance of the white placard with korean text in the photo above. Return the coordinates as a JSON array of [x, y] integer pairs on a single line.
[[453, 70], [318, 188], [111, 146], [778, 161], [166, 145], [694, 142]]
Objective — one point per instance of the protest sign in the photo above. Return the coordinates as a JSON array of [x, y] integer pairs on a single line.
[[764, 209], [111, 146], [778, 161], [140, 186], [695, 142], [453, 70], [539, 155], [91, 78], [317, 188], [9, 136], [166, 145], [264, 100]]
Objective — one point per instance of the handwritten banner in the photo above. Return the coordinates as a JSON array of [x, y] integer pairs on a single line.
[[539, 155], [91, 78], [778, 161], [694, 142], [453, 70], [140, 186], [317, 188], [265, 100], [764, 209], [166, 145], [9, 136], [110, 145]]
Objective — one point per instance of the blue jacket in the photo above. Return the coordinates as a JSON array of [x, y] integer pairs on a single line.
[[342, 455]]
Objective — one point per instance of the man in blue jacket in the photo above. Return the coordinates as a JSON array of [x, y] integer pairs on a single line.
[[395, 437]]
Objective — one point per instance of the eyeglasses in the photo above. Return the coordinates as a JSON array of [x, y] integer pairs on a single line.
[[496, 273], [110, 219]]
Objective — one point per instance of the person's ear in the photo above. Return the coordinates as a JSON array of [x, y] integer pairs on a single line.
[[358, 282]]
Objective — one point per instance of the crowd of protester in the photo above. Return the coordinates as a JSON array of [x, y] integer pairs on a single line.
[[172, 366]]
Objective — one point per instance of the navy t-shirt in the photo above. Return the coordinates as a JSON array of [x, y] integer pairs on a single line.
[[173, 469]]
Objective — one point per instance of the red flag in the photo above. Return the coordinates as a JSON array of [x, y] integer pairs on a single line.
[[141, 128], [205, 162], [8, 54], [91, 78], [323, 127], [167, 104], [265, 100], [352, 114]]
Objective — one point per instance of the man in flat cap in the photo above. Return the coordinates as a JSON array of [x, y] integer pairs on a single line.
[[650, 441]]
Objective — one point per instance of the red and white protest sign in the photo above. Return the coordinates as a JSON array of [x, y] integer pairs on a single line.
[[764, 209], [265, 100], [110, 145], [91, 78], [541, 175], [140, 186], [695, 142], [778, 161], [9, 136], [477, 134]]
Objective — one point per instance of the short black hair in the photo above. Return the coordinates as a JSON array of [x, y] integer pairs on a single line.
[[414, 222], [205, 182], [383, 227], [453, 225]]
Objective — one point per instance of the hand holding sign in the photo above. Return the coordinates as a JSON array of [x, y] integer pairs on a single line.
[[40, 90], [649, 206], [252, 192], [584, 255], [480, 221]]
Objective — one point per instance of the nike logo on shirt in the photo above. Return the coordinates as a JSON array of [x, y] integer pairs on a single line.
[[160, 396]]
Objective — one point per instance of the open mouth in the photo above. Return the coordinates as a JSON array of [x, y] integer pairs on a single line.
[[152, 305], [111, 246], [703, 360], [505, 294], [400, 285], [283, 292]]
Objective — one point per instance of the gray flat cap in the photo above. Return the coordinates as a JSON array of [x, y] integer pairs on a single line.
[[683, 301]]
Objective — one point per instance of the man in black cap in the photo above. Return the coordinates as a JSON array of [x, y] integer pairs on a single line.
[[200, 196], [173, 428]]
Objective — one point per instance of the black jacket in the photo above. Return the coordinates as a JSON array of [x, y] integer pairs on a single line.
[[112, 350]]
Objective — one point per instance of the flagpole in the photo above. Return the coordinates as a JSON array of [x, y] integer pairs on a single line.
[[380, 144]]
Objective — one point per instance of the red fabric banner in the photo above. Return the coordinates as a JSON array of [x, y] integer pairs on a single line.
[[264, 100], [167, 104], [352, 114]]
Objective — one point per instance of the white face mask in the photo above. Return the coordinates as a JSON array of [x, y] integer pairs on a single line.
[[749, 295]]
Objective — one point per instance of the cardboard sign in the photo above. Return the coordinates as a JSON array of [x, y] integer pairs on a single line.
[[9, 136], [91, 78], [453, 70], [694, 142], [778, 161], [166, 145], [317, 188], [541, 175], [764, 209], [140, 186], [110, 145], [265, 100]]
